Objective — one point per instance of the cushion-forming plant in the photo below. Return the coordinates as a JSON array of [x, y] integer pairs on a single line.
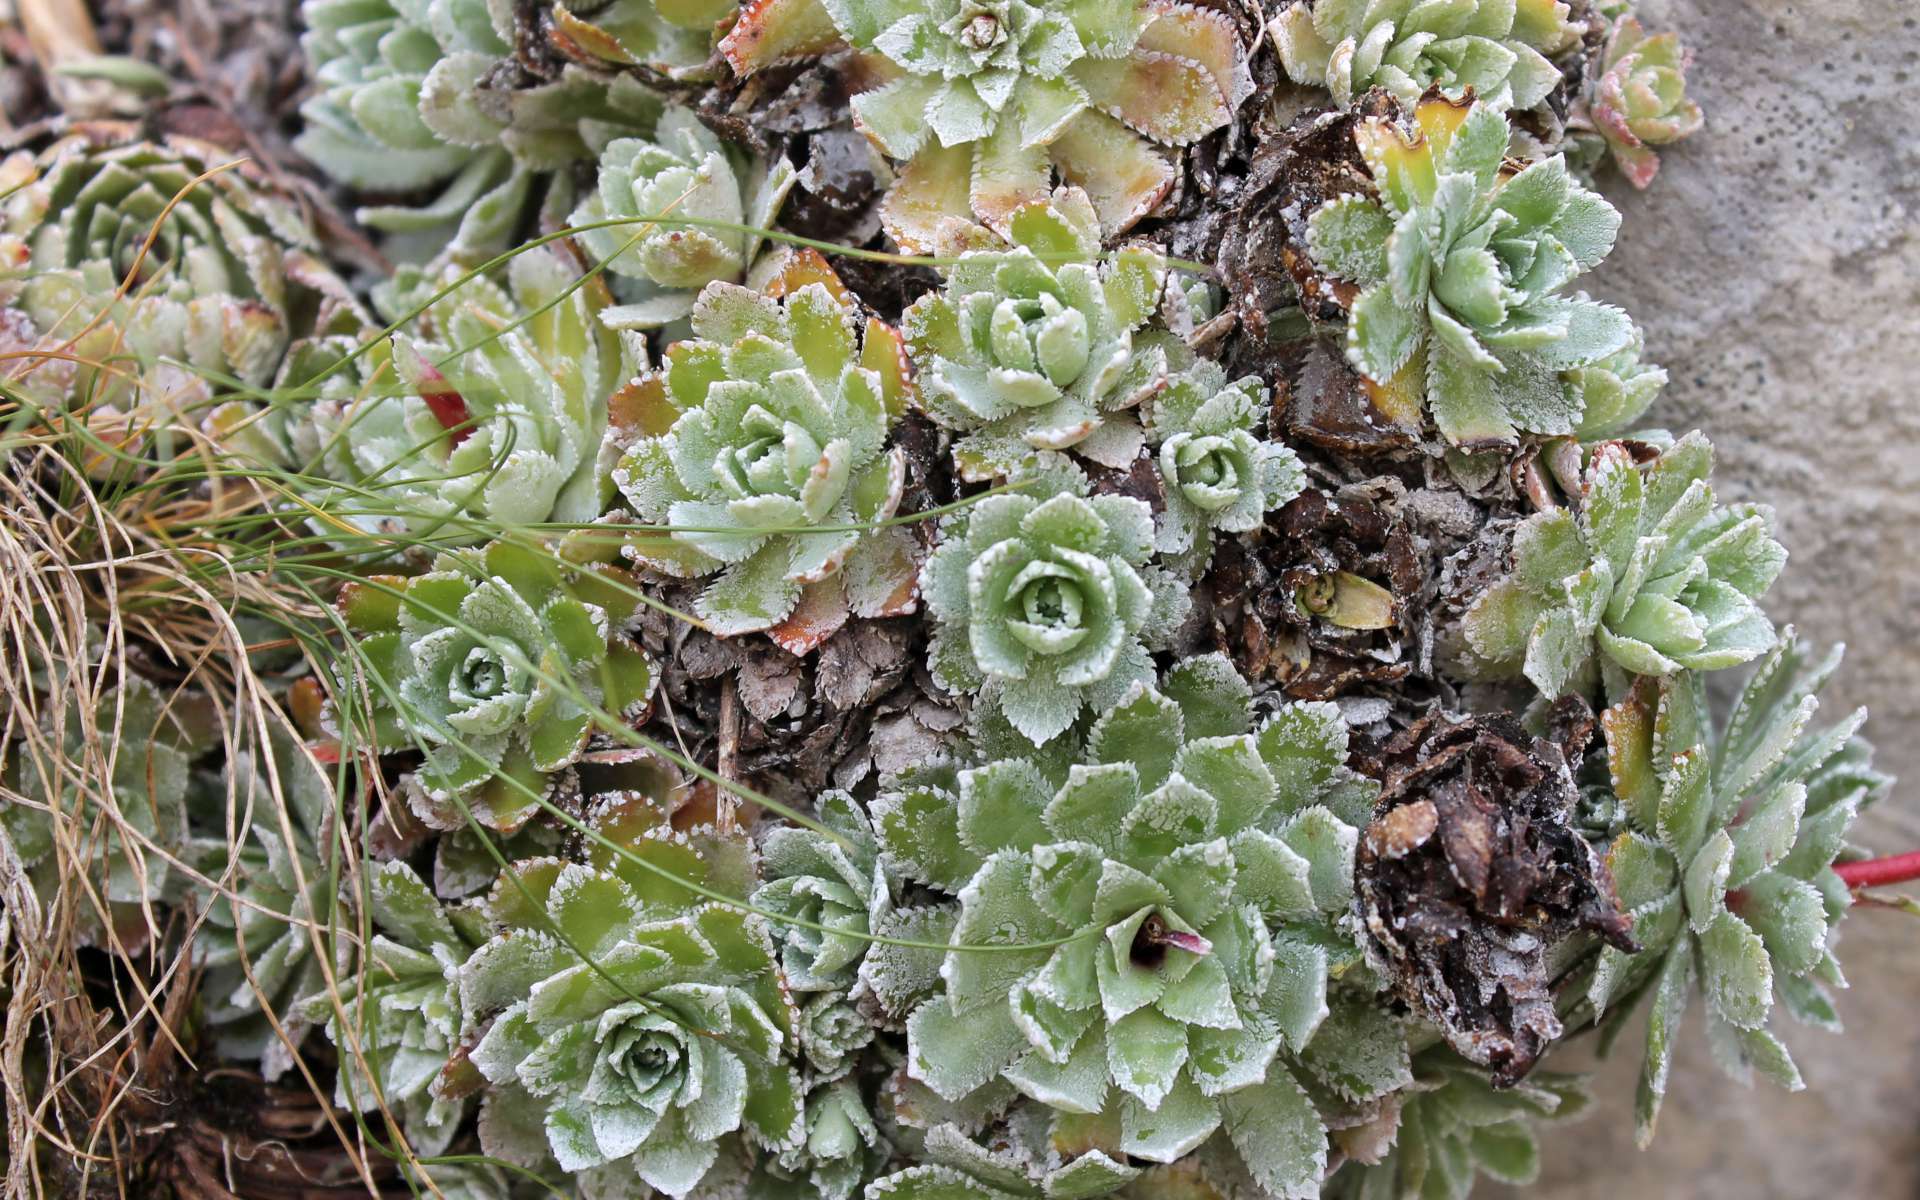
[[1636, 99], [489, 411], [1147, 932], [768, 460], [664, 187], [637, 1022], [1646, 576], [1307, 730], [832, 880], [1455, 1125], [1615, 392], [1727, 833], [981, 102], [119, 845], [397, 1020], [1461, 262], [138, 275], [1042, 345], [1499, 49], [1044, 602], [1216, 476], [503, 661], [269, 833], [414, 97]]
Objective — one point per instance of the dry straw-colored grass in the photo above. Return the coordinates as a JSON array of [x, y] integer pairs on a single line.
[[106, 565]]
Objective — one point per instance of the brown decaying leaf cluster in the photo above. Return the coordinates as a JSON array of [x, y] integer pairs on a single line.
[[1472, 874]]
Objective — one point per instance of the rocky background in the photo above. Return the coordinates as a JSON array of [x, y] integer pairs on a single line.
[[1775, 265]]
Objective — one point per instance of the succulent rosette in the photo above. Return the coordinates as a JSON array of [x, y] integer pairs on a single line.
[[269, 939], [843, 1149], [1645, 576], [492, 412], [1460, 263], [1615, 392], [1044, 603], [1148, 929], [1497, 50], [1216, 476], [770, 460], [500, 663], [1453, 1126], [984, 100], [141, 274], [667, 185], [416, 97], [1724, 858], [1637, 99], [831, 880], [1040, 346], [636, 1025], [121, 844], [397, 1022]]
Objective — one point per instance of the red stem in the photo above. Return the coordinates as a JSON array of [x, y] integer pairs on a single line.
[[1880, 872]]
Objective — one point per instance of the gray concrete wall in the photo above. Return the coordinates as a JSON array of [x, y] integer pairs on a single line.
[[1775, 265]]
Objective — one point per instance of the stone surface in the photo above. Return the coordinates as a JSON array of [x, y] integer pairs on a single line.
[[1775, 265]]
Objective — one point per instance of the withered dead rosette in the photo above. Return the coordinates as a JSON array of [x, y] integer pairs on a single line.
[[1472, 874]]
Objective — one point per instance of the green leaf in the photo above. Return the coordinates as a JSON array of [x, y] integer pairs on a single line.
[[1642, 870], [1090, 1175], [1767, 833], [1736, 973], [918, 827], [1359, 1051], [1686, 804], [1278, 1133], [1001, 806], [1272, 876], [752, 595], [930, 1183], [1556, 651], [1214, 700], [1382, 334], [1508, 1152], [1669, 1006], [1327, 843], [1232, 771], [997, 910], [1347, 236], [1296, 1000], [1547, 549], [1706, 886], [1501, 622], [1791, 919], [1304, 746], [1093, 804], [1145, 729], [1079, 1085], [955, 1055], [1478, 146], [1146, 1051], [1164, 1134], [406, 908]]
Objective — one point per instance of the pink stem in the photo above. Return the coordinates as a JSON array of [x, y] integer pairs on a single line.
[[1880, 872]]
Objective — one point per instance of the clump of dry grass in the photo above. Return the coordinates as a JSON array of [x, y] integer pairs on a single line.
[[113, 564]]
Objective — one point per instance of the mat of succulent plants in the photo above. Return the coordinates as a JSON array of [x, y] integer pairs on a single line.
[[854, 598]]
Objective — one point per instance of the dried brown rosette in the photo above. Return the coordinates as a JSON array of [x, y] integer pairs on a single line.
[[1472, 875]]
